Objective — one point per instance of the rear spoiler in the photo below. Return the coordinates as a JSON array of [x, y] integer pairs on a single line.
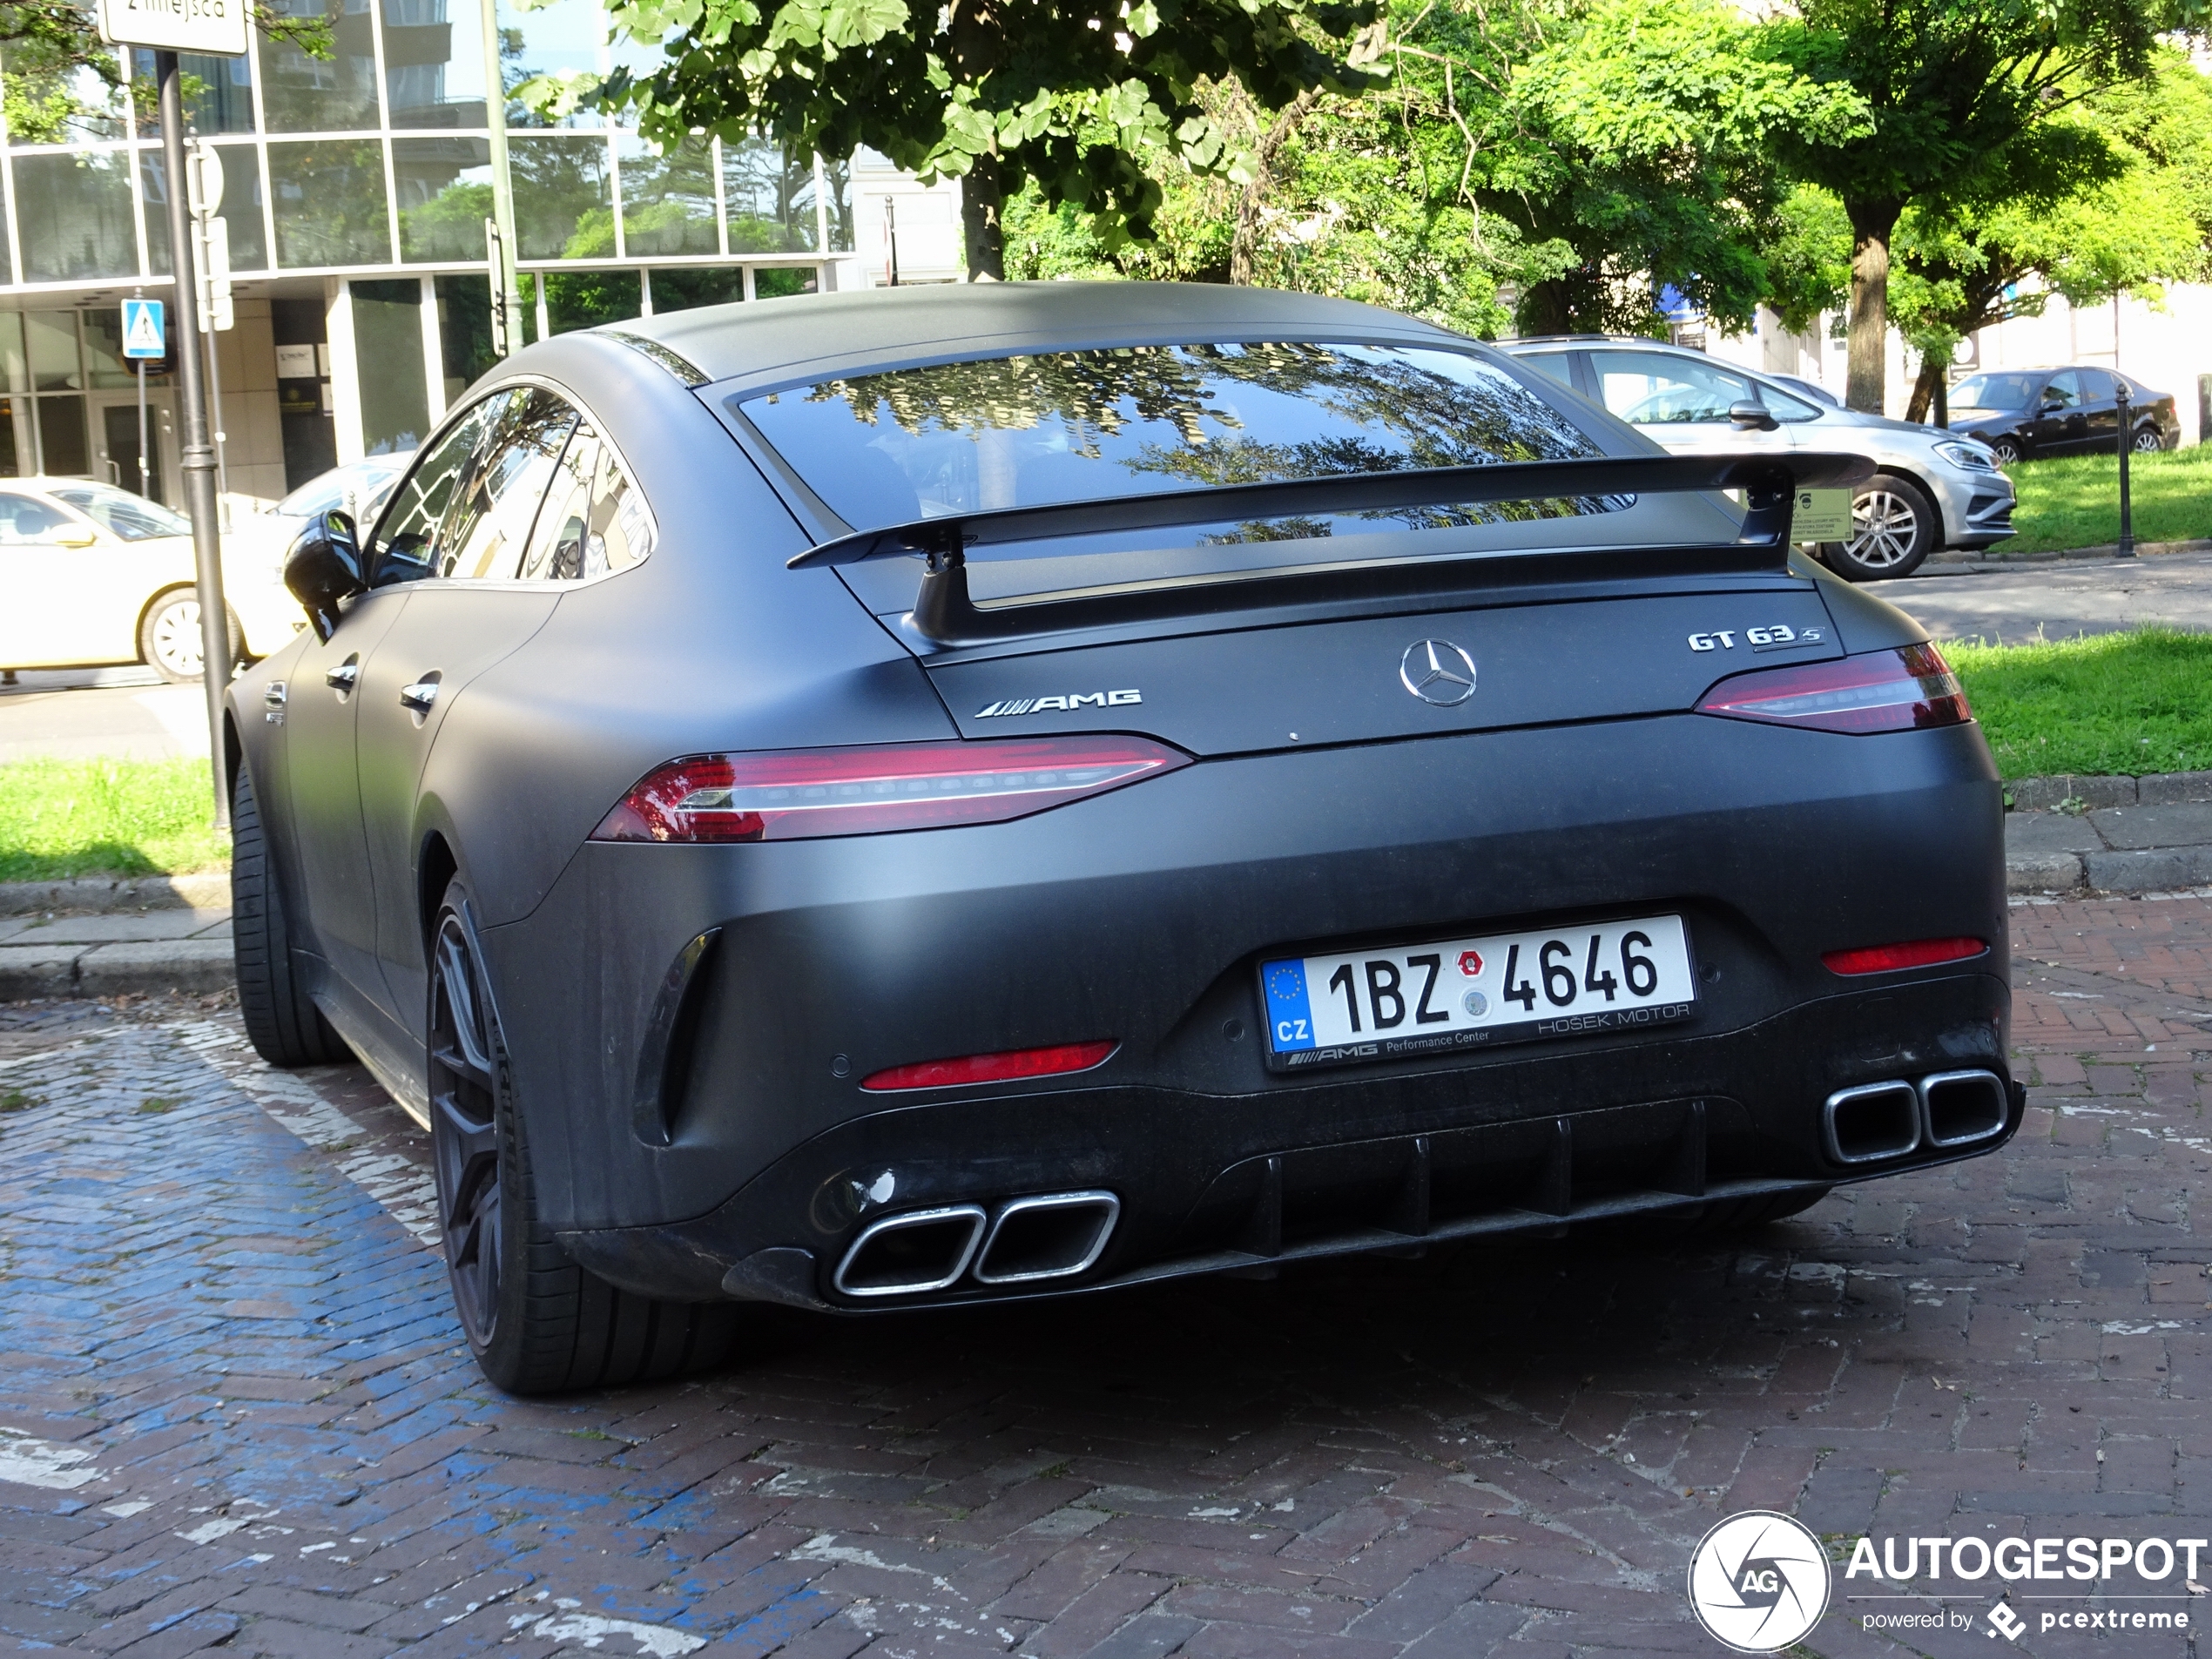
[[943, 611]]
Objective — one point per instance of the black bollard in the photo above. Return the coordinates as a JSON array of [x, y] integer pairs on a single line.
[[2127, 442]]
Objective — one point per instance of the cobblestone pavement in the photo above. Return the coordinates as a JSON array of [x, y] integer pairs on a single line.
[[234, 1412]]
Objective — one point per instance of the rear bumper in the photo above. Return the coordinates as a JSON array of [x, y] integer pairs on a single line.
[[1206, 1184], [674, 1135]]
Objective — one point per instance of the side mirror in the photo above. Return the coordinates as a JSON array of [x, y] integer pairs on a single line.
[[1748, 416], [323, 567]]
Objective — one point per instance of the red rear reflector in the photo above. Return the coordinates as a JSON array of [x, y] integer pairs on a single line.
[[1879, 690], [993, 1068], [799, 793], [1887, 959]]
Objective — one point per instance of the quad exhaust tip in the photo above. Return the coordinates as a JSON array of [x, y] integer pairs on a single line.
[[1875, 1122], [923, 1249], [1054, 1236]]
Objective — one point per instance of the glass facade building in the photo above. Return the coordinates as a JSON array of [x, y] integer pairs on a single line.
[[355, 193]]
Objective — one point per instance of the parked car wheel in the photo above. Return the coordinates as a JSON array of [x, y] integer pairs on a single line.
[[285, 1027], [169, 636], [1894, 527], [2006, 450], [2148, 441], [536, 1322]]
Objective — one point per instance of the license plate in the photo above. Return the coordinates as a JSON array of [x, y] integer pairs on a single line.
[[1407, 1000]]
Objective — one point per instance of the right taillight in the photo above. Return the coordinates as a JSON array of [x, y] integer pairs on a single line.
[[1879, 690]]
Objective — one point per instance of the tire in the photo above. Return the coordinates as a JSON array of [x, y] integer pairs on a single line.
[[2148, 441], [1894, 528], [284, 1026], [536, 1322], [168, 637], [2006, 450]]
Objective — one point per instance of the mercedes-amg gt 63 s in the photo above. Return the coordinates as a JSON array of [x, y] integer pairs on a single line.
[[899, 799]]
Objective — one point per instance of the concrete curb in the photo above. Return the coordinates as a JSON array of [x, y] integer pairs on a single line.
[[138, 966], [1991, 559], [105, 894]]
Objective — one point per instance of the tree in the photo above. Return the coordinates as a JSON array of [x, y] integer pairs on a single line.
[[1950, 86], [1638, 132], [1000, 92]]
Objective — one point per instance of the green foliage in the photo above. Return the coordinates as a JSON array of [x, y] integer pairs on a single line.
[[450, 225], [68, 817], [2130, 703], [1075, 94]]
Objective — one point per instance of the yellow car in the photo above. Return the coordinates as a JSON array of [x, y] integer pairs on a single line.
[[92, 575]]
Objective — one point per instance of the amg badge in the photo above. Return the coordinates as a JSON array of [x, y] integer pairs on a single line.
[[1066, 705]]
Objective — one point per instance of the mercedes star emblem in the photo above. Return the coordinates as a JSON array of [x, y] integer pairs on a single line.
[[1437, 671]]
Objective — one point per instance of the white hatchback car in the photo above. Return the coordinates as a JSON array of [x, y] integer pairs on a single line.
[[94, 575]]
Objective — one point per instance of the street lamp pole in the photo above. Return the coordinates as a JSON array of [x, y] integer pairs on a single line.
[[199, 454]]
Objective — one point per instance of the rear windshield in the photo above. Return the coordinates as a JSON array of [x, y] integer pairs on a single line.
[[1078, 425]]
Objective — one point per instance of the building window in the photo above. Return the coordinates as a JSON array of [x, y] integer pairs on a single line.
[[682, 287], [770, 194], [74, 211], [388, 335], [564, 199], [667, 200], [434, 63], [581, 299], [218, 93], [240, 212], [330, 203], [336, 94], [445, 197]]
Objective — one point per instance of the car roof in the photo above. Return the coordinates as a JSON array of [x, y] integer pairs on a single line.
[[758, 338]]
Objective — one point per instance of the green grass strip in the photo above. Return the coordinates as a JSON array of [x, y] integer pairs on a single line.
[[67, 817], [2110, 702], [2074, 501]]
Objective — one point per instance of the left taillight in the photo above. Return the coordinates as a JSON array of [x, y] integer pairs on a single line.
[[1878, 691], [798, 795]]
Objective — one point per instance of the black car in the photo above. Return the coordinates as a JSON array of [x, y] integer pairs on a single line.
[[2023, 413], [923, 796]]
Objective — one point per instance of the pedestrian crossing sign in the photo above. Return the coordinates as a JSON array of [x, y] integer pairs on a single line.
[[142, 330]]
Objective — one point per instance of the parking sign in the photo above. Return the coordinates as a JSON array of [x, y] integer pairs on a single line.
[[142, 332]]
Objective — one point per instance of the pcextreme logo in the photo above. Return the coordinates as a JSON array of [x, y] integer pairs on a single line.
[[1758, 1582]]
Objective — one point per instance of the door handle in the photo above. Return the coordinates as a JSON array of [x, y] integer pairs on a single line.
[[341, 678], [419, 696]]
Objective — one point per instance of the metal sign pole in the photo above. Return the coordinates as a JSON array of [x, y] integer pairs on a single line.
[[2127, 442], [198, 460]]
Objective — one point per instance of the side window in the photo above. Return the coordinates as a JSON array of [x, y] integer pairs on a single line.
[[407, 548], [2096, 385], [1558, 365], [1784, 407], [1651, 388], [2063, 392], [486, 528], [23, 519], [595, 519]]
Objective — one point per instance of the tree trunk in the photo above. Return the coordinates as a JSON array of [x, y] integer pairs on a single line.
[[1927, 389], [981, 200], [1871, 223], [1246, 242]]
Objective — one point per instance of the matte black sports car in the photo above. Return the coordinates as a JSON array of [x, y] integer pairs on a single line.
[[921, 796], [2023, 413]]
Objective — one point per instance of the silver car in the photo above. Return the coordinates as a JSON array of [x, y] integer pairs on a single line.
[[1935, 489]]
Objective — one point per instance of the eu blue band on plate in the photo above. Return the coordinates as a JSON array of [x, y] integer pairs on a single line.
[[1290, 1020]]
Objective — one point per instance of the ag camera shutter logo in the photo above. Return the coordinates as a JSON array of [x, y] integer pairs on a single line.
[[1758, 1582]]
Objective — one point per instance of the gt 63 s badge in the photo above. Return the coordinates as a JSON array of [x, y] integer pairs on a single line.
[[1758, 1582]]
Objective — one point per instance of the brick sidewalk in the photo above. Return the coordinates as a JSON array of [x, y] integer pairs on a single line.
[[234, 1412]]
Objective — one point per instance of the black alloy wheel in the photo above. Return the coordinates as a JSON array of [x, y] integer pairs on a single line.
[[464, 1127], [536, 1322], [2006, 450]]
